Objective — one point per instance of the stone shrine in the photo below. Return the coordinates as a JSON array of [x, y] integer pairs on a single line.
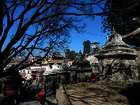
[[117, 60]]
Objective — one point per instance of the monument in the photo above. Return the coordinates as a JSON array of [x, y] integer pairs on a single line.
[[117, 60]]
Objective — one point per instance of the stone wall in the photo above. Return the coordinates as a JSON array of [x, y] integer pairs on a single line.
[[118, 69]]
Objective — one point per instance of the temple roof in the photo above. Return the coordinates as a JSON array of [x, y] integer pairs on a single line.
[[115, 47], [115, 40]]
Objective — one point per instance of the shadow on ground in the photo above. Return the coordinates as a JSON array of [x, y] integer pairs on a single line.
[[133, 94]]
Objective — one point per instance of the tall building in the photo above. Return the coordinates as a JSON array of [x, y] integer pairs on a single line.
[[86, 49]]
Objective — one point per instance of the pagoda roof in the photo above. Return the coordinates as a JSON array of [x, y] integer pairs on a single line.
[[115, 40], [115, 47]]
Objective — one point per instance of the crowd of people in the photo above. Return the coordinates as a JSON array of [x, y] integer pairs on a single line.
[[14, 90]]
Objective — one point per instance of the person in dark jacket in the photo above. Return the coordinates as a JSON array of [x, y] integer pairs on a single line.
[[6, 101]]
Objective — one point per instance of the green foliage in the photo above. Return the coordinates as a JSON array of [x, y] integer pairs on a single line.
[[120, 15]]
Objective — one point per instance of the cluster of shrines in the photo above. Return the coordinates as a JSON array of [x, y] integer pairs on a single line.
[[115, 61]]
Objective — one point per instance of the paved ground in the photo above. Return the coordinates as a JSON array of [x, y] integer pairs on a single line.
[[89, 94], [30, 103]]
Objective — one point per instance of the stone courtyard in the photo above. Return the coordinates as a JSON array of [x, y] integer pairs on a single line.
[[90, 94]]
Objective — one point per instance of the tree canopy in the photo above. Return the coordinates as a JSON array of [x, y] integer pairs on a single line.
[[32, 28], [122, 15]]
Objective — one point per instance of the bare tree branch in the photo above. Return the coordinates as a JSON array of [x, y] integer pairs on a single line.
[[37, 25]]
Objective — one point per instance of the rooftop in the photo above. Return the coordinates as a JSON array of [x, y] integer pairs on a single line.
[[116, 47]]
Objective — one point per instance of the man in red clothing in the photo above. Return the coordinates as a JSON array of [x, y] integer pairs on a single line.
[[93, 77], [40, 96]]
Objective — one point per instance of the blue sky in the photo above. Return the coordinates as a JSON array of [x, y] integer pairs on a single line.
[[93, 32]]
